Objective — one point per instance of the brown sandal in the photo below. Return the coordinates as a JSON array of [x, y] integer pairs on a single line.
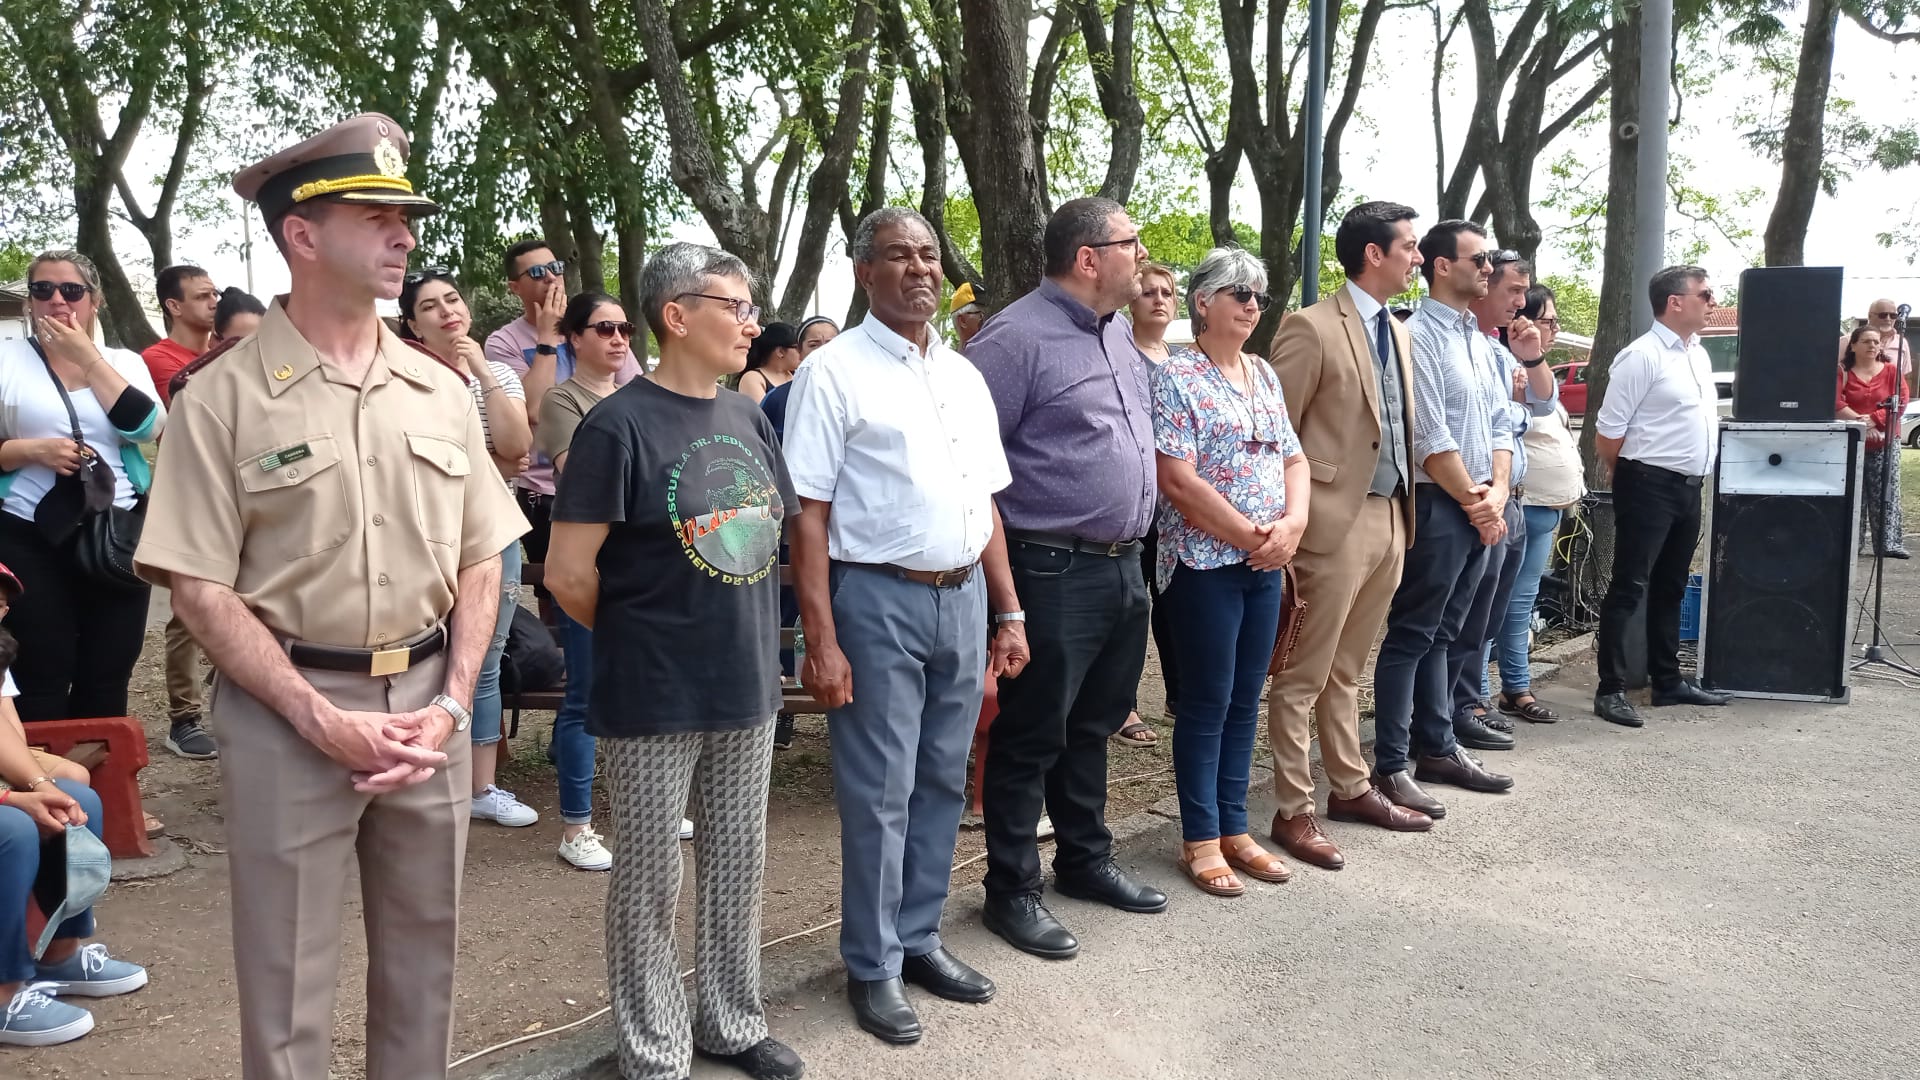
[[1203, 865], [1249, 858], [1135, 733]]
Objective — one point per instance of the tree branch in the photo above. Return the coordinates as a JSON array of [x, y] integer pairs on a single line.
[[1865, 22], [1196, 121]]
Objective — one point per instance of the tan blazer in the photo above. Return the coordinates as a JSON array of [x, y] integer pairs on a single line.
[[1333, 398]]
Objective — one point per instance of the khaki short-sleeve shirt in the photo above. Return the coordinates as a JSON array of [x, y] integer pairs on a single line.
[[340, 513]]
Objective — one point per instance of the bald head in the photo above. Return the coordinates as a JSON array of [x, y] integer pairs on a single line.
[[1881, 311]]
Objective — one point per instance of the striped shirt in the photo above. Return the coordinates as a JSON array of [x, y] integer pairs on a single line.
[[1459, 392]]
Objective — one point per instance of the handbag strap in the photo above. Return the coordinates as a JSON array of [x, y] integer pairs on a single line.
[[73, 418]]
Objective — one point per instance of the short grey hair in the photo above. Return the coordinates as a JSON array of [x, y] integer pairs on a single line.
[[870, 225], [1223, 268], [679, 269]]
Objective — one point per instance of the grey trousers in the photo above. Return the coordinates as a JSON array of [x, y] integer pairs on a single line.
[[919, 659], [720, 780], [1874, 509]]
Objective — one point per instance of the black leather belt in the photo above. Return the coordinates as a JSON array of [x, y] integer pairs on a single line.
[[1111, 549], [939, 579], [1665, 473], [393, 661]]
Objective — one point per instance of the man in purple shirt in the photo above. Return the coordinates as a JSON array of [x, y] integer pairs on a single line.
[[1077, 425]]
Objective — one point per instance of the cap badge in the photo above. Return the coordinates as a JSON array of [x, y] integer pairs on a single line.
[[380, 128], [388, 159]]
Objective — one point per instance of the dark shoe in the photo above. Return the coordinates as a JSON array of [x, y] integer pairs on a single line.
[[1469, 730], [1026, 924], [771, 1059], [1532, 712], [1300, 837], [1373, 808], [1106, 883], [1399, 789], [187, 739], [1616, 709], [881, 1008], [942, 974], [1497, 722], [1899, 553], [1461, 770], [1689, 692], [783, 731]]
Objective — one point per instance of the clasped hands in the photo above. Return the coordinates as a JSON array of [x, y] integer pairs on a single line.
[[384, 751], [1486, 507], [1280, 541]]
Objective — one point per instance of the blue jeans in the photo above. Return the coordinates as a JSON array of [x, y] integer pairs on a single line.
[[1509, 640], [1223, 623], [572, 746], [486, 689], [22, 874]]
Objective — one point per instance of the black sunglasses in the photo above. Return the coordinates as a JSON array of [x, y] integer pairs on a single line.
[[71, 291], [427, 273], [1479, 258], [539, 271], [1243, 293], [1504, 256], [606, 328]]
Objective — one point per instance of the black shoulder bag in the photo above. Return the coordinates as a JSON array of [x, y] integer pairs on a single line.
[[81, 507]]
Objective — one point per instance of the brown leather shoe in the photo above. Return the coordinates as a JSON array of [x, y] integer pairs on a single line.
[[1400, 790], [1301, 838], [1373, 808], [1461, 770]]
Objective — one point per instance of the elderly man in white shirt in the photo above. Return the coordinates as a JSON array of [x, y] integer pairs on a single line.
[[894, 448], [1657, 429]]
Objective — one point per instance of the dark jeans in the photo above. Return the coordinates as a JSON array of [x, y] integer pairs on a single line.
[[1162, 622], [1467, 657], [573, 748], [539, 511], [1226, 619], [33, 864], [1087, 630], [1412, 691], [78, 638], [1656, 523]]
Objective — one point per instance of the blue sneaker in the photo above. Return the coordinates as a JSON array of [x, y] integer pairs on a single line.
[[91, 973], [34, 1019]]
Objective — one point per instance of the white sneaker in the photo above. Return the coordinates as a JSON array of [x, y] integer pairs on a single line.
[[586, 852], [500, 806], [686, 828]]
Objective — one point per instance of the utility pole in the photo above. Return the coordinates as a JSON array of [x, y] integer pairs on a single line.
[[1650, 177], [1314, 120]]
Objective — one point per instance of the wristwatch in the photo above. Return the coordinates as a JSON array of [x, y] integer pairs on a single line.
[[461, 717], [1009, 616], [544, 349]]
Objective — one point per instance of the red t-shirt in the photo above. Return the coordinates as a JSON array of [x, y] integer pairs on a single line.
[[164, 358], [1865, 396]]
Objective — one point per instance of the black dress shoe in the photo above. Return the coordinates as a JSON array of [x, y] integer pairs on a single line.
[[1688, 692], [881, 1008], [1026, 924], [1469, 730], [1461, 770], [1616, 709], [1401, 791], [768, 1059], [1496, 721], [1106, 883], [942, 974]]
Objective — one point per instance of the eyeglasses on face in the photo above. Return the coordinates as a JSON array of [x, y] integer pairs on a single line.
[[1480, 259], [1705, 294], [71, 291], [539, 271], [1243, 293], [1132, 241], [607, 328], [1880, 315], [1548, 323], [744, 311], [428, 273]]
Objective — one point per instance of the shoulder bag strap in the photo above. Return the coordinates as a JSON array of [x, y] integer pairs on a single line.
[[73, 418]]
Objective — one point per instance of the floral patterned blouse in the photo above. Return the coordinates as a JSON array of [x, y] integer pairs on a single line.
[[1237, 442]]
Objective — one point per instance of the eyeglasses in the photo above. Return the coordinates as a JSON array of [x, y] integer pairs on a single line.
[[1550, 324], [1480, 259], [426, 273], [71, 291], [1134, 240], [1705, 294], [1243, 293], [744, 311], [606, 328], [1880, 315], [539, 271]]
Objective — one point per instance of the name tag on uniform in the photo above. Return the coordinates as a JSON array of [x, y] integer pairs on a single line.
[[285, 457]]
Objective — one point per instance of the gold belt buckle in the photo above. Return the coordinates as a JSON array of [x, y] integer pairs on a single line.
[[391, 661], [1113, 550]]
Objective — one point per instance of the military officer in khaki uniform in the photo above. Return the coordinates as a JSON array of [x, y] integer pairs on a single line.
[[330, 525]]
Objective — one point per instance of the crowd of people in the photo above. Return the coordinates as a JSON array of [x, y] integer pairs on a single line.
[[344, 512]]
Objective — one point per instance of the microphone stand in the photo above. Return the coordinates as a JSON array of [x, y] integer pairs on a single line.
[[1878, 651]]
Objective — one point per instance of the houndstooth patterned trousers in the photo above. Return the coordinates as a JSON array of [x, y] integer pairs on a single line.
[[1873, 509], [649, 781]]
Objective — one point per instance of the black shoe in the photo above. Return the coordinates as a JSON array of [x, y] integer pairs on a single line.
[[1616, 709], [783, 731], [1899, 553], [1110, 885], [942, 974], [1470, 730], [1496, 721], [881, 1008], [1461, 769], [768, 1059], [1026, 924], [1689, 693]]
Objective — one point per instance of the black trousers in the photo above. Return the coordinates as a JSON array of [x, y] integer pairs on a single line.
[[1161, 619], [1656, 523], [1087, 629], [78, 638]]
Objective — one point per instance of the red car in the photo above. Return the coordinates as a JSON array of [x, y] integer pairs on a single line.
[[1572, 378]]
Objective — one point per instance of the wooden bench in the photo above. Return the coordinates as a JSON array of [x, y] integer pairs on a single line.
[[113, 749]]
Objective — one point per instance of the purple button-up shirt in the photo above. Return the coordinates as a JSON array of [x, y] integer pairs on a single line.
[[1075, 417]]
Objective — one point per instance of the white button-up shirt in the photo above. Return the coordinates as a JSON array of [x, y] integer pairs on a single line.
[[1661, 400], [905, 446]]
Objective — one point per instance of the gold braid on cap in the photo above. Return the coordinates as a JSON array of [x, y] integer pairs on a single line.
[[316, 188]]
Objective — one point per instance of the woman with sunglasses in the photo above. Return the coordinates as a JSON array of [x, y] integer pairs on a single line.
[[666, 536], [79, 634], [433, 313], [1234, 488]]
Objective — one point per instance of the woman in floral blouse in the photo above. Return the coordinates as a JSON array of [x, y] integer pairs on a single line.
[[1234, 488]]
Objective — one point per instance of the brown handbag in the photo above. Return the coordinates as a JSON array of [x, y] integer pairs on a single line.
[[1293, 612]]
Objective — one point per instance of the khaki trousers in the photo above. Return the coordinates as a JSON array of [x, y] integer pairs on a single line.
[[294, 824], [1347, 593], [183, 672]]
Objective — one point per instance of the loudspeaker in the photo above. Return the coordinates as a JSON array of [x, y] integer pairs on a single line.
[[1784, 517], [1789, 323]]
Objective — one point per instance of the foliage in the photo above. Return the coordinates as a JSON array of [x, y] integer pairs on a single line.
[[1576, 302], [1181, 238]]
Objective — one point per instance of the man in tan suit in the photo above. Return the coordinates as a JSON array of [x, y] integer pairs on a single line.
[[1345, 366]]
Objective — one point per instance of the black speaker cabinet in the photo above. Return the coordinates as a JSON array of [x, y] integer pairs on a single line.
[[1784, 518], [1789, 322]]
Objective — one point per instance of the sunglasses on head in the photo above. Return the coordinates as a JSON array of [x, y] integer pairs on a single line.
[[1504, 256], [606, 328], [427, 273], [539, 271], [71, 291], [1243, 293]]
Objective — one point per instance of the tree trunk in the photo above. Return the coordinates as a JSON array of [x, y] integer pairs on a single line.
[[1112, 63], [1006, 180], [926, 92], [1803, 148], [1618, 290], [828, 185]]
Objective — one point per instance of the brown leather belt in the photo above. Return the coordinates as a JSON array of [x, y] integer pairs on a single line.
[[391, 661], [939, 579]]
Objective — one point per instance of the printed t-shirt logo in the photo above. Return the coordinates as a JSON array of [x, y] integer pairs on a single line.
[[723, 502]]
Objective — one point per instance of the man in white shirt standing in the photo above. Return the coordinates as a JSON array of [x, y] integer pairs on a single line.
[[1657, 426], [894, 448]]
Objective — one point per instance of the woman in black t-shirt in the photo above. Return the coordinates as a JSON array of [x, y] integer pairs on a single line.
[[666, 539]]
